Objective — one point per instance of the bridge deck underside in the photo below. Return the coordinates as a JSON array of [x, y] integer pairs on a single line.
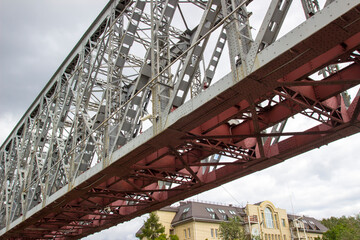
[[138, 181]]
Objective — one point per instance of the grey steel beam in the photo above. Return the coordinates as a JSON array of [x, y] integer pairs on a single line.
[[269, 29], [238, 35]]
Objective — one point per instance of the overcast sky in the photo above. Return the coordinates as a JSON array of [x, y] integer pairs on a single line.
[[36, 36]]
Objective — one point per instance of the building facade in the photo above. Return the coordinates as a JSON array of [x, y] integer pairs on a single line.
[[193, 220]]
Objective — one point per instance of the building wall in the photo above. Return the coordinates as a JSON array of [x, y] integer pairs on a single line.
[[313, 236], [278, 230], [198, 230], [185, 231], [165, 219], [208, 231], [307, 235]]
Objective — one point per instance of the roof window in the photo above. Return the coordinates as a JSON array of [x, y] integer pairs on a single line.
[[210, 210]]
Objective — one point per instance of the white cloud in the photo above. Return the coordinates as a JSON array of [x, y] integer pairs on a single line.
[[35, 38]]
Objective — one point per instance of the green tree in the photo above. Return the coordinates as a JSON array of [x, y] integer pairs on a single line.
[[343, 228], [161, 237], [233, 230], [152, 230], [173, 237]]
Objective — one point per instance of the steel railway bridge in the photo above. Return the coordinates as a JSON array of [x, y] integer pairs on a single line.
[[151, 107]]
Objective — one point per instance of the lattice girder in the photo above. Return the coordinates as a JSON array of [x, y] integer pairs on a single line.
[[77, 164]]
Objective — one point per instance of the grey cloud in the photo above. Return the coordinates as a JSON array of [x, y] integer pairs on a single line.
[[35, 37]]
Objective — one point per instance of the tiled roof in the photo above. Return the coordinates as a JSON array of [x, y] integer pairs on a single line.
[[310, 224], [169, 209], [206, 212]]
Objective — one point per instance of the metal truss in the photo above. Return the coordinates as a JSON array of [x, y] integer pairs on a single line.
[[80, 160]]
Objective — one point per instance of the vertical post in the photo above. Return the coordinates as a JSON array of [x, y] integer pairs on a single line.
[[239, 37], [310, 7], [269, 29], [248, 216], [154, 67]]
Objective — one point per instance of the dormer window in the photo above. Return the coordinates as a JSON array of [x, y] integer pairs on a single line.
[[210, 210], [232, 212], [186, 210]]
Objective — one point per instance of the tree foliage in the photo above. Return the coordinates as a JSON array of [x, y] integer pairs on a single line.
[[233, 230], [343, 228], [173, 237], [154, 230]]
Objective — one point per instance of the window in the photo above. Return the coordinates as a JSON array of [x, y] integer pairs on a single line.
[[266, 237], [183, 215], [276, 237], [283, 222], [268, 218], [209, 209], [225, 217], [284, 237], [216, 232], [212, 213], [221, 211], [212, 232], [185, 233], [232, 212], [189, 232]]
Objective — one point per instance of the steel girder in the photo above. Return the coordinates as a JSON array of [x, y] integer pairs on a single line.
[[84, 113], [51, 184]]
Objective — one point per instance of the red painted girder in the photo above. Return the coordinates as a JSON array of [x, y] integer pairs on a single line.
[[315, 93]]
